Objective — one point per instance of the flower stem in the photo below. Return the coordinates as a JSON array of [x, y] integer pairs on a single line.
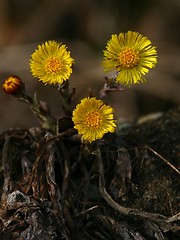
[[40, 110]]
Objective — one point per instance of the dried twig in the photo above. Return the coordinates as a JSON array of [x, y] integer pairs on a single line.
[[65, 185], [53, 188], [160, 219], [6, 164], [86, 211], [174, 218], [162, 158], [34, 183]]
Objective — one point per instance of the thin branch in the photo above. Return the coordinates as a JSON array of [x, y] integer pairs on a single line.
[[174, 218], [6, 164], [65, 186], [158, 218], [53, 188], [162, 158], [86, 211]]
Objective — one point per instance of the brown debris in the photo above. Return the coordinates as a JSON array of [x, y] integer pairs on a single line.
[[126, 187]]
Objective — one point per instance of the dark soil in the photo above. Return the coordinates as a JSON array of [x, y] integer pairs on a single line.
[[125, 187]]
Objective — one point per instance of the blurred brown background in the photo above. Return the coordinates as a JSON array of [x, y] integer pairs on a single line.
[[85, 26]]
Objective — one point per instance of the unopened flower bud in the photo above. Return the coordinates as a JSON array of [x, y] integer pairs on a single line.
[[12, 84]]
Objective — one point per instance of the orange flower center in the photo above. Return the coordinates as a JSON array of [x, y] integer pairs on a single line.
[[128, 58], [53, 65], [93, 119]]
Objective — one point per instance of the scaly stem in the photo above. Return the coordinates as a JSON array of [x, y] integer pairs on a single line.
[[42, 113]]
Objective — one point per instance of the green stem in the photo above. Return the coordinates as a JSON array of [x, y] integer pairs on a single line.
[[47, 121]]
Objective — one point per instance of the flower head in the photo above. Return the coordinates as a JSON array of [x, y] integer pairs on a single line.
[[92, 118], [51, 63], [131, 55], [12, 84]]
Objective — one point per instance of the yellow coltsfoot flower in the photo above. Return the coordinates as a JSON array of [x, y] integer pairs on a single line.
[[51, 63], [92, 118], [131, 55], [12, 84]]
